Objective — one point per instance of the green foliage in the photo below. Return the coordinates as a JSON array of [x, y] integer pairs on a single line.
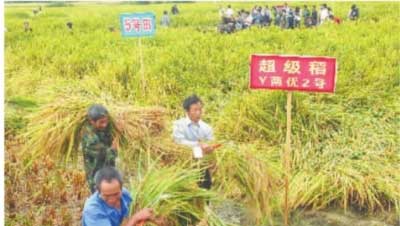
[[345, 145]]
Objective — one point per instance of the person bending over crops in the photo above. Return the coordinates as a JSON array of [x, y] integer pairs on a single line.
[[99, 149], [192, 132], [109, 205], [335, 19]]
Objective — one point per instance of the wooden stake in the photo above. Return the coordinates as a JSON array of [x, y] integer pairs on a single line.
[[142, 78], [287, 154]]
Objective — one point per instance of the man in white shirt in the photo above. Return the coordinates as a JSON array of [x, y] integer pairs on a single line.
[[192, 132], [324, 13], [229, 13]]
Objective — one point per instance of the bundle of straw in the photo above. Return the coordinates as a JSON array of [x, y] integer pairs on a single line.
[[132, 123], [56, 128]]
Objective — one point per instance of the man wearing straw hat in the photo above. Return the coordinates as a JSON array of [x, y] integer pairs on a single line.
[[99, 149]]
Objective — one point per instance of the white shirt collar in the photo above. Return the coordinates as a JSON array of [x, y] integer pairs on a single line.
[[188, 121]]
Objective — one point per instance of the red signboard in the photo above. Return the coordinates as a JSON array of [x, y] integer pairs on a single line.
[[296, 73]]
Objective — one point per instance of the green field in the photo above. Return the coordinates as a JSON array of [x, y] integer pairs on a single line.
[[346, 146]]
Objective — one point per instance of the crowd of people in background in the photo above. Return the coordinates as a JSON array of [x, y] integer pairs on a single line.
[[165, 20], [282, 16]]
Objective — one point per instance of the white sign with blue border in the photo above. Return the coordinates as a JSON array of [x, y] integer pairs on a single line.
[[138, 24]]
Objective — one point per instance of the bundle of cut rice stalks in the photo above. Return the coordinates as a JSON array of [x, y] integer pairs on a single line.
[[55, 129], [173, 192]]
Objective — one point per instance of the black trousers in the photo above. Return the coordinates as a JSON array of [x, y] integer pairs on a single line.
[[206, 180]]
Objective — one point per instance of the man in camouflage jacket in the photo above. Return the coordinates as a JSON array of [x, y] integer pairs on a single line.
[[99, 149]]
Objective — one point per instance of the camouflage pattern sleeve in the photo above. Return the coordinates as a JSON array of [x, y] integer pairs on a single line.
[[95, 150], [96, 156]]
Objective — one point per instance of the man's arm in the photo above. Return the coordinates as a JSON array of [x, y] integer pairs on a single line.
[[94, 148], [95, 219], [209, 136]]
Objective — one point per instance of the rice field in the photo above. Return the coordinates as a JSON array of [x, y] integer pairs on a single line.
[[345, 146]]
